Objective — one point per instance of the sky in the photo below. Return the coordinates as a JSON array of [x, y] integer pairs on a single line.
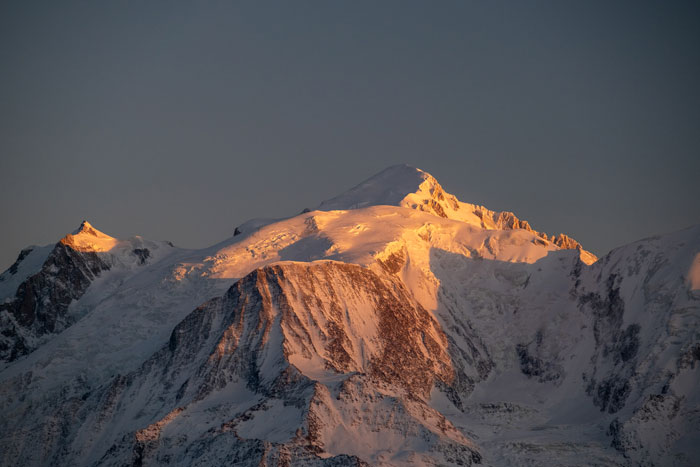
[[181, 120]]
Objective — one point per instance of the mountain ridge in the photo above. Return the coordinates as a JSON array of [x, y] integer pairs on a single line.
[[412, 333], [406, 186]]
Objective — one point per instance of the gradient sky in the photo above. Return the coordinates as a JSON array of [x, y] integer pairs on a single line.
[[179, 121]]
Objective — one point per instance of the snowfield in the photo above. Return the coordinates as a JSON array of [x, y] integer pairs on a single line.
[[393, 325]]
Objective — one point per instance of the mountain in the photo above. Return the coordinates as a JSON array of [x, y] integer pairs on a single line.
[[40, 287], [406, 186], [393, 325]]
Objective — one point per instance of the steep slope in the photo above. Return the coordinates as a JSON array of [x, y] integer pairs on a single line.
[[646, 316], [405, 186], [582, 358], [42, 284], [329, 351], [394, 325], [127, 315]]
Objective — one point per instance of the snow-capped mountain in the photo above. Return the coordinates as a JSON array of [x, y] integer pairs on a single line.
[[393, 325], [39, 288]]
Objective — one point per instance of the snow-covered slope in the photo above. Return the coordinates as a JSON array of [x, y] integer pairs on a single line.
[[40, 291], [394, 325], [405, 186], [299, 357], [583, 358]]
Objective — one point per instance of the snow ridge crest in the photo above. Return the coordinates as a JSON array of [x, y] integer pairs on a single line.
[[405, 186]]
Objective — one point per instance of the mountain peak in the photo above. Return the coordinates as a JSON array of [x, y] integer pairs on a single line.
[[88, 238], [388, 187], [401, 170], [405, 186], [85, 227]]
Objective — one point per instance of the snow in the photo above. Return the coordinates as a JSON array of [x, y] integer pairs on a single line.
[[388, 187], [408, 187], [491, 289], [359, 236], [357, 318], [30, 265], [87, 238], [275, 422], [404, 186], [129, 304]]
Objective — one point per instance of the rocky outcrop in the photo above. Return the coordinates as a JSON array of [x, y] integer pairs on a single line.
[[22, 255], [638, 308], [408, 187], [431, 197], [41, 302], [298, 362], [450, 336], [564, 242], [37, 291]]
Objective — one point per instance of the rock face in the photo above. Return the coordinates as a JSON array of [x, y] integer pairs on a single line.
[[41, 302], [379, 333], [293, 361], [645, 323], [406, 186], [38, 296]]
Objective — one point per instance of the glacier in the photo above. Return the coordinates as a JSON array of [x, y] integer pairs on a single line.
[[392, 325]]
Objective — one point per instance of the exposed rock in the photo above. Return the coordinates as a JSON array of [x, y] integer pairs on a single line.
[[535, 367], [262, 335], [41, 301], [423, 332], [22, 254], [142, 254]]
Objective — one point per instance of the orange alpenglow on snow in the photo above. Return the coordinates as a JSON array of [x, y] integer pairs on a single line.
[[88, 238]]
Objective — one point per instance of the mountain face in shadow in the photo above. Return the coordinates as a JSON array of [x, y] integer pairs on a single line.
[[393, 325]]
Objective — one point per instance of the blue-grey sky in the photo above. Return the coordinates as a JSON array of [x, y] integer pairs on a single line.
[[181, 120]]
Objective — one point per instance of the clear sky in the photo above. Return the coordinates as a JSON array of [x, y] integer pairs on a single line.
[[179, 121]]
